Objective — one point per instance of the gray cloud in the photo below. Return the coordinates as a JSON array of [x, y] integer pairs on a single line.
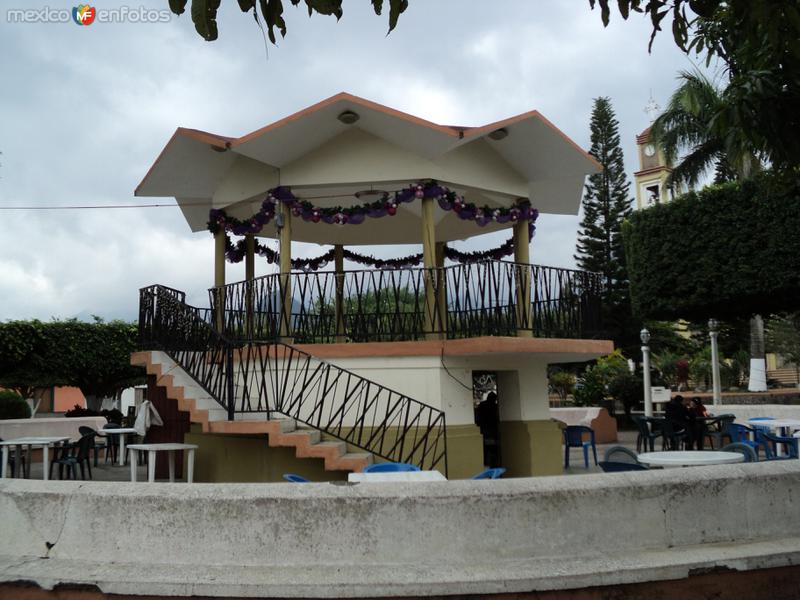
[[86, 110]]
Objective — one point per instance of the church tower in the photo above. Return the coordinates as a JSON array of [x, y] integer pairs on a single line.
[[651, 178]]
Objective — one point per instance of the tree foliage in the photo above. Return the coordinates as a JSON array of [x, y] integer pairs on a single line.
[[204, 13], [92, 356], [757, 42], [727, 251], [695, 140], [606, 204]]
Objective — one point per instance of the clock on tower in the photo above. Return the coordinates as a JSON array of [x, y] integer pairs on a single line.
[[651, 178]]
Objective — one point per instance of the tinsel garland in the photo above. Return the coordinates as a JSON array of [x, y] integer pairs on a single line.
[[354, 215], [235, 253], [448, 200]]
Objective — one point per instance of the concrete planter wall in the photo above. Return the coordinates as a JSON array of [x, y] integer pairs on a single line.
[[459, 537]]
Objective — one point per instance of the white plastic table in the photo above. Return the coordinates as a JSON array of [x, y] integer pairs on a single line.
[[121, 432], [387, 477], [151, 450], [689, 458], [28, 443]]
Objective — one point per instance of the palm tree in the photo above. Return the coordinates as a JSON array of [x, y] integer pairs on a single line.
[[697, 131]]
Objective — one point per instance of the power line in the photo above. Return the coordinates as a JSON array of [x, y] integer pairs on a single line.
[[91, 207]]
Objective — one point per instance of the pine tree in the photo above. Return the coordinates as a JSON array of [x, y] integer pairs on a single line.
[[606, 204]]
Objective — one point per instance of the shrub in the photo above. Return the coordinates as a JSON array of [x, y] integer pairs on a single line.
[[13, 406], [627, 388], [112, 416], [562, 383], [726, 251]]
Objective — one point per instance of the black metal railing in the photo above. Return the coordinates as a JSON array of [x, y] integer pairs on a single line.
[[274, 377], [469, 300]]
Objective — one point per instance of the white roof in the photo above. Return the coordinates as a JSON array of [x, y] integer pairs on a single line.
[[326, 161]]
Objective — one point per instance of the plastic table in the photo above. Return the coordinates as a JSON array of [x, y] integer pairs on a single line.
[[28, 443], [689, 458], [151, 450], [390, 476]]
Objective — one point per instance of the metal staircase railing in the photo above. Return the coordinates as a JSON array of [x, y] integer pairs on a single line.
[[274, 377]]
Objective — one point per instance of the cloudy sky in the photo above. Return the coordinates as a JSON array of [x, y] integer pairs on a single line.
[[84, 111]]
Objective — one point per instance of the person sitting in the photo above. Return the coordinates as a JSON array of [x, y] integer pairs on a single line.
[[677, 413], [699, 409]]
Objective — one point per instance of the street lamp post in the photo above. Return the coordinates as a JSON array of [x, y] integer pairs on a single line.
[[644, 335], [713, 326]]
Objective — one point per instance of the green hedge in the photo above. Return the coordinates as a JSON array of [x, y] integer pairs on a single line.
[[12, 406], [727, 251]]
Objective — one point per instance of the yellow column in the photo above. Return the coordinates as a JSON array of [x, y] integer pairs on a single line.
[[431, 323], [338, 261], [285, 236], [441, 288], [219, 278], [249, 275], [523, 278]]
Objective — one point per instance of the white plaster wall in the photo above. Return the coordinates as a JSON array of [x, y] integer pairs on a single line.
[[522, 384]]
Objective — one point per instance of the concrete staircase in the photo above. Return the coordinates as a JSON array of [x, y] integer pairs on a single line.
[[206, 411]]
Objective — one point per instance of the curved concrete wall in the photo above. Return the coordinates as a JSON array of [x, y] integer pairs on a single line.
[[458, 537]]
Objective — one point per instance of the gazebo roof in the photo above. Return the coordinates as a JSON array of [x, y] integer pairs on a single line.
[[327, 161]]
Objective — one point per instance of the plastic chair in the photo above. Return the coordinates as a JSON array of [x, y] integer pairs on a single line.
[[621, 454], [573, 438], [295, 478], [490, 473], [764, 428], [617, 467], [390, 467], [12, 458], [82, 448], [742, 433], [646, 437], [745, 449], [671, 438], [112, 441], [717, 435], [770, 443], [84, 430]]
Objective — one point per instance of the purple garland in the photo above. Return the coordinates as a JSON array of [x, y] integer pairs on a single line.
[[355, 215], [448, 200], [235, 253]]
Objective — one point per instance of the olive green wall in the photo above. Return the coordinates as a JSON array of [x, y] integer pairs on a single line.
[[249, 459], [531, 448], [464, 449]]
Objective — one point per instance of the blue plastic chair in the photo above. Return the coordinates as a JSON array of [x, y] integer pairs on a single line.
[[295, 478], [390, 467], [490, 473], [741, 434], [770, 443], [764, 428], [745, 449], [573, 438]]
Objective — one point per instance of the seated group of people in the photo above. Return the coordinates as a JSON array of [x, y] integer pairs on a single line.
[[686, 416]]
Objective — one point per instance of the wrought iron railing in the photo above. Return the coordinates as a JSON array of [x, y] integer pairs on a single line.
[[273, 377], [460, 301]]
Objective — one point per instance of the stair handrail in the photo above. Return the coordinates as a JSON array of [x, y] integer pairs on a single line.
[[276, 377]]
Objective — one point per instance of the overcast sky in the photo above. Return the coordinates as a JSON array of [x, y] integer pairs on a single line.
[[85, 110]]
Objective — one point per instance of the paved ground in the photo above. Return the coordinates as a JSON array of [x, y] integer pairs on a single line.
[[108, 472], [624, 438]]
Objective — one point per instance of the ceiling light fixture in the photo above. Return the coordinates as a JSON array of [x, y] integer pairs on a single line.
[[498, 134], [348, 117]]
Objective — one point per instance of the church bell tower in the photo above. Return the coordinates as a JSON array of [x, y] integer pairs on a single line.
[[651, 178]]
